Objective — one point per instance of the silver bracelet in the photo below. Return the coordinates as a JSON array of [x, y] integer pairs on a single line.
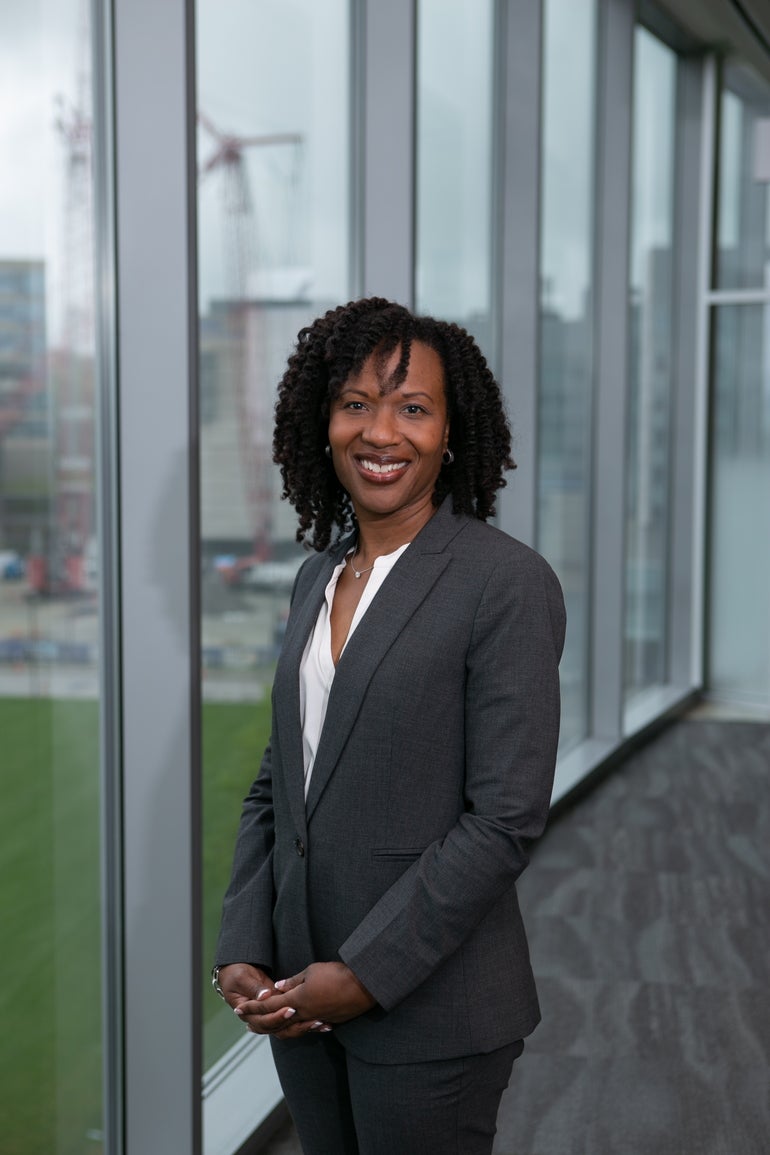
[[215, 982]]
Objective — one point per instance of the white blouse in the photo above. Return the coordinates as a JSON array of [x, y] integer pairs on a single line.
[[316, 671]]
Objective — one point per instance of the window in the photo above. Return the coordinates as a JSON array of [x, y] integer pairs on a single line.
[[455, 71], [740, 545], [566, 326], [743, 229], [274, 252], [50, 589], [739, 617], [651, 338]]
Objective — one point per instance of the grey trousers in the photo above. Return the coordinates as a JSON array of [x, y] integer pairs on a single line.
[[342, 1105]]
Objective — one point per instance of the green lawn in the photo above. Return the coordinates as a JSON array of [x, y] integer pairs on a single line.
[[234, 737], [50, 1046]]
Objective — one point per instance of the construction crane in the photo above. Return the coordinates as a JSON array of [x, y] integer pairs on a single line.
[[244, 359]]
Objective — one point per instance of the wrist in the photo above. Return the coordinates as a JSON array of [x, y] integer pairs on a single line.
[[255, 973], [215, 981], [366, 995]]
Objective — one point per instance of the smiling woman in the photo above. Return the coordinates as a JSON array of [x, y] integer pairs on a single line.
[[331, 354], [419, 628], [388, 431]]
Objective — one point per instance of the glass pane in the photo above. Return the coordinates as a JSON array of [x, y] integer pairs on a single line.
[[740, 470], [455, 67], [743, 235], [273, 228], [50, 970], [650, 362], [566, 322]]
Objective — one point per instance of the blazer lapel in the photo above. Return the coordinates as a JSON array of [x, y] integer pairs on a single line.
[[404, 589], [288, 721]]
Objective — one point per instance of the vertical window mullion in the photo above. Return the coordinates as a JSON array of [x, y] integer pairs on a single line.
[[519, 322], [157, 311], [616, 29]]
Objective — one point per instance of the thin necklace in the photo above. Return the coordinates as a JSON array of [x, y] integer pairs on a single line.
[[358, 572]]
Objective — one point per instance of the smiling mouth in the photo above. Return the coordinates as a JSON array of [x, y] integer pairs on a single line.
[[377, 467]]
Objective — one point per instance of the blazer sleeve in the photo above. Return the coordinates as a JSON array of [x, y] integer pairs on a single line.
[[511, 733], [246, 932]]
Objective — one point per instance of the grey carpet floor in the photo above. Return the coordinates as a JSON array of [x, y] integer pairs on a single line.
[[648, 910]]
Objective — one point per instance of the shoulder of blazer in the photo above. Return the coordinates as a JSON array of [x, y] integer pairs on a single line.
[[489, 546], [495, 544]]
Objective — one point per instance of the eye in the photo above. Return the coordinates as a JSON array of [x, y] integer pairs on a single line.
[[356, 406], [414, 410]]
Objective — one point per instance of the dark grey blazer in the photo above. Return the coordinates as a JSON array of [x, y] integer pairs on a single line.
[[433, 775]]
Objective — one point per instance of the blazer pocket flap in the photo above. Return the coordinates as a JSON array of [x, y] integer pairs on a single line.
[[405, 854]]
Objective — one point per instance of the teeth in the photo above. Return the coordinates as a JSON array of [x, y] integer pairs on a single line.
[[375, 467]]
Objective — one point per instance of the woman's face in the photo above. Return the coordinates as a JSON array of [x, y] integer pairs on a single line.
[[387, 443]]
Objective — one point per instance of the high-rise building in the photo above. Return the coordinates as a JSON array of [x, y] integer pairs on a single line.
[[25, 433]]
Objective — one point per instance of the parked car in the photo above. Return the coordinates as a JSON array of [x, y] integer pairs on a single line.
[[271, 575], [12, 566]]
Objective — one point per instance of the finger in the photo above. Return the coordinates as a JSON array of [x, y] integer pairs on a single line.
[[270, 1004], [235, 997], [289, 984], [269, 1024]]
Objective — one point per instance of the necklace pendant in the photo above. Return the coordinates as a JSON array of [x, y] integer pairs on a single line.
[[357, 573]]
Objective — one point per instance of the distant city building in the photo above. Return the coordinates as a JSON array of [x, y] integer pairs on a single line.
[[244, 349], [25, 441]]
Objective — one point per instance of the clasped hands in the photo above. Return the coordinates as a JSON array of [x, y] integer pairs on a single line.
[[318, 997]]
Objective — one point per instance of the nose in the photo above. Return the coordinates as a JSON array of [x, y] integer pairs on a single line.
[[380, 430]]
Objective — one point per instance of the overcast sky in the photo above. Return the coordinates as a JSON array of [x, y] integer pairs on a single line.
[[37, 64], [273, 66], [282, 65]]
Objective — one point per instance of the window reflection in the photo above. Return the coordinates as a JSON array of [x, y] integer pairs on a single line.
[[740, 543], [739, 615], [566, 321], [273, 221], [50, 1046], [455, 55], [650, 363], [743, 233]]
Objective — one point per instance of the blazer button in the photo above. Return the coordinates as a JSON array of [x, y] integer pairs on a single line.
[[300, 847]]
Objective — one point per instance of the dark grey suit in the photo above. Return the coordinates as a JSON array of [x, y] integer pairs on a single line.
[[433, 775]]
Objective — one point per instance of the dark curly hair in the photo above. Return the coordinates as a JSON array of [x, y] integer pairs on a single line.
[[333, 349]]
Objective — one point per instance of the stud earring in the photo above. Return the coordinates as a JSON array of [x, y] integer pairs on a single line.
[[328, 451]]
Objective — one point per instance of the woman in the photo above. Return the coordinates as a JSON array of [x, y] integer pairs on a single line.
[[371, 926]]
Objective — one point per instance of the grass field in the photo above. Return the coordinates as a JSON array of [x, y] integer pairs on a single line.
[[234, 737], [50, 1043]]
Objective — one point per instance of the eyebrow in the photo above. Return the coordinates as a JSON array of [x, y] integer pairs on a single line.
[[351, 389], [408, 395]]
